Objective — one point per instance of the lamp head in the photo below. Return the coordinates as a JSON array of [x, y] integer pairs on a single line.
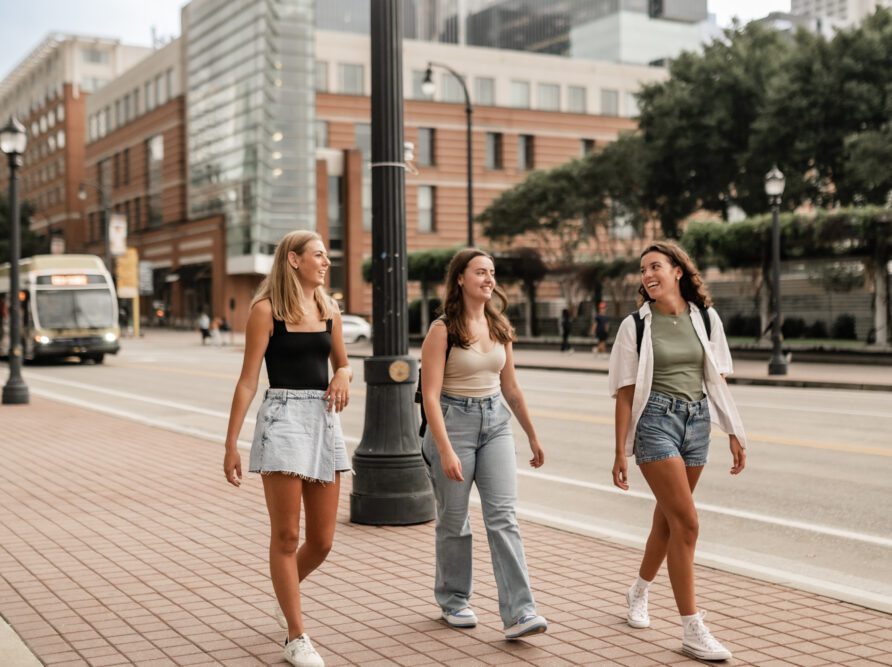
[[13, 137], [774, 182], [427, 86]]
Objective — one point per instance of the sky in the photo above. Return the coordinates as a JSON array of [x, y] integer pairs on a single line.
[[26, 23]]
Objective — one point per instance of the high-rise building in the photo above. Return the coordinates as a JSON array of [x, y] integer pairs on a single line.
[[848, 12], [46, 92], [249, 122]]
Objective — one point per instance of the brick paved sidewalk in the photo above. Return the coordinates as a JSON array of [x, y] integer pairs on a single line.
[[122, 544]]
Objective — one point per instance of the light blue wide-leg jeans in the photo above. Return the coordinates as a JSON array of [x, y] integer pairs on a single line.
[[480, 433]]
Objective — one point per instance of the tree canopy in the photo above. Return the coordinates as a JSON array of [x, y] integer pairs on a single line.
[[31, 243]]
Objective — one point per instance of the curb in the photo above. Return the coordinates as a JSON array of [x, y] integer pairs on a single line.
[[14, 651]]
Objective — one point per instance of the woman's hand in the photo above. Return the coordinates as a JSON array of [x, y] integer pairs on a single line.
[[621, 472], [451, 465], [232, 466], [338, 392], [738, 454], [538, 459]]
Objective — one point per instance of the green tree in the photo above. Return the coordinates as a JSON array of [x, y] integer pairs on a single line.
[[523, 265], [428, 267], [32, 244]]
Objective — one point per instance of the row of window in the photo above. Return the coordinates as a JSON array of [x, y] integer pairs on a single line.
[[351, 81], [44, 148], [48, 198], [43, 174], [155, 92], [47, 121]]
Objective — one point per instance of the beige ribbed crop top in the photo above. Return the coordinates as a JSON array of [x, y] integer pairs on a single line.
[[470, 372]]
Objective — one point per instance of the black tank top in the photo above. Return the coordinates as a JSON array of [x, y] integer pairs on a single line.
[[298, 359]]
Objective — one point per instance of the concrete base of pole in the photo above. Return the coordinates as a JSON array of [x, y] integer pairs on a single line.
[[777, 367], [391, 486], [15, 392]]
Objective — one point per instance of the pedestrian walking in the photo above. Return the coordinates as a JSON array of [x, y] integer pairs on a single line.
[[601, 329], [298, 445], [467, 367], [204, 326], [566, 325], [667, 373]]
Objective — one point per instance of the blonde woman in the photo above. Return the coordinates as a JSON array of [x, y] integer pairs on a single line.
[[667, 371], [467, 367], [298, 445]]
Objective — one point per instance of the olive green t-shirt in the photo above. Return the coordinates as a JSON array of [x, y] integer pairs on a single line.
[[678, 356]]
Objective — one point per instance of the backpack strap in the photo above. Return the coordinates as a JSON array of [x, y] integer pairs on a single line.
[[707, 323]]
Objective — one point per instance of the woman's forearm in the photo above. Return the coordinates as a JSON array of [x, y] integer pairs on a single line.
[[241, 400]]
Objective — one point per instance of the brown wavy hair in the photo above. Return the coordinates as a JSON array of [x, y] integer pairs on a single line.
[[500, 329], [691, 283], [282, 286]]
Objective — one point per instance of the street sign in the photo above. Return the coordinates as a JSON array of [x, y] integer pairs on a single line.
[[117, 234], [126, 269], [146, 278]]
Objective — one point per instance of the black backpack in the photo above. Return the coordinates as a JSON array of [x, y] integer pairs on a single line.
[[639, 327], [419, 398]]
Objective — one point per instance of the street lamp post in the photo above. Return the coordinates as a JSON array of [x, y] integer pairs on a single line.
[[391, 484], [774, 188], [106, 215], [428, 87], [13, 140]]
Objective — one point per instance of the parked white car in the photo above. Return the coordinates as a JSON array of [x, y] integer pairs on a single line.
[[356, 329]]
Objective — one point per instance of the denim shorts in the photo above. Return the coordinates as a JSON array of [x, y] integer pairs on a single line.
[[672, 427], [297, 435]]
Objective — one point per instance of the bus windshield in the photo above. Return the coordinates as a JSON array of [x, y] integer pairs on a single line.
[[74, 309]]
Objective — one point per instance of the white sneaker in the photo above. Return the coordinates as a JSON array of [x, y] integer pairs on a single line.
[[637, 616], [526, 625], [463, 618], [280, 617], [699, 643], [300, 652]]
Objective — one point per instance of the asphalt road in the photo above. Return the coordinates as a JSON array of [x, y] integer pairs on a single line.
[[812, 509]]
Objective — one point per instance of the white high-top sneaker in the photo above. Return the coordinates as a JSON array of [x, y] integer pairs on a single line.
[[699, 643], [637, 616]]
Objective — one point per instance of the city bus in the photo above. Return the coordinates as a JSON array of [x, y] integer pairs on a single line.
[[68, 308]]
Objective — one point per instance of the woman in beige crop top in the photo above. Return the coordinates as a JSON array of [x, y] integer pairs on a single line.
[[469, 440]]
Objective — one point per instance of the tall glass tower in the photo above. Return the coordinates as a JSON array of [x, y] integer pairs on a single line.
[[250, 116]]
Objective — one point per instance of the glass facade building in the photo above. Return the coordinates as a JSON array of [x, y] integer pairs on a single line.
[[250, 70]]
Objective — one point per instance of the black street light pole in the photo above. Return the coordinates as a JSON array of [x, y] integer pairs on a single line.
[[106, 215], [391, 485], [428, 87], [13, 140], [774, 188]]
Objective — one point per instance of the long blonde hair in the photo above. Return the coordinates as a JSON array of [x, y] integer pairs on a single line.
[[500, 329], [282, 286]]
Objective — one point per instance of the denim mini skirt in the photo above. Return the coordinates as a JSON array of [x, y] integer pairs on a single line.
[[297, 435]]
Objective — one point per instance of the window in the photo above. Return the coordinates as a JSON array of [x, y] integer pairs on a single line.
[[351, 79], [364, 143], [135, 96], [149, 96], [51, 118], [154, 161], [168, 84], [525, 143], [321, 76], [631, 105], [60, 113], [97, 56], [493, 150], [116, 170], [60, 138], [125, 167], [426, 198], [137, 214], [160, 90], [485, 91], [520, 94], [119, 116], [418, 79], [452, 89], [426, 149], [127, 113], [576, 99], [609, 102], [587, 146], [549, 96], [321, 134]]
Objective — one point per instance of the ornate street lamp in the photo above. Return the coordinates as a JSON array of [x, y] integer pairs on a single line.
[[13, 140], [428, 88], [774, 188], [391, 485]]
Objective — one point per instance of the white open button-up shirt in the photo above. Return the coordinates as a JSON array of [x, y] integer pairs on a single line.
[[626, 368]]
